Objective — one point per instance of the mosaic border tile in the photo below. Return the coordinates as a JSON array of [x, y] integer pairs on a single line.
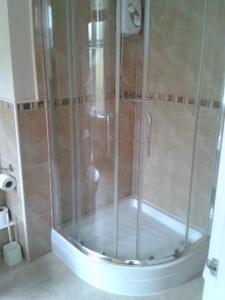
[[30, 106], [124, 96]]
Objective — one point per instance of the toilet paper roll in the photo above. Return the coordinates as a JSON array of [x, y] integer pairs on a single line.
[[3, 214], [7, 182]]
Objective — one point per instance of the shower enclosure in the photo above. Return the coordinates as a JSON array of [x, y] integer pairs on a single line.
[[135, 107]]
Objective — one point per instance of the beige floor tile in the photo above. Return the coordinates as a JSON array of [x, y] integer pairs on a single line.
[[47, 278]]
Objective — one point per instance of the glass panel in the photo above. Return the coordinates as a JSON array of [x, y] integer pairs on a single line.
[[168, 125], [127, 204], [95, 44], [82, 121], [58, 54], [210, 115], [130, 86], [124, 167]]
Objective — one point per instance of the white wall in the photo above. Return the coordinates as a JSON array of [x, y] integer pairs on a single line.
[[22, 47], [6, 75], [18, 82]]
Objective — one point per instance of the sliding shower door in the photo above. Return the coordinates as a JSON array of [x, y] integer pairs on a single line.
[[81, 37], [173, 49], [95, 36], [124, 125]]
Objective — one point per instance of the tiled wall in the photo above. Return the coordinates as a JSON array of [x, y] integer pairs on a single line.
[[93, 156], [212, 87], [9, 155], [33, 158], [166, 174], [175, 45], [34, 155], [30, 203], [173, 70], [92, 138]]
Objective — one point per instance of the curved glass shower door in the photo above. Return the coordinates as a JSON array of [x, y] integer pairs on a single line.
[[124, 125], [169, 132], [81, 39], [95, 54]]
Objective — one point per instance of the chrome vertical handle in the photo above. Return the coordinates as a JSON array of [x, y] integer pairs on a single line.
[[149, 132], [109, 137]]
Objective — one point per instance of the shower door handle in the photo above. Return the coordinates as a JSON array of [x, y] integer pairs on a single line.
[[149, 134], [109, 137]]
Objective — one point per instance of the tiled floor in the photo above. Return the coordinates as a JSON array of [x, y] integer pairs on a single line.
[[47, 278]]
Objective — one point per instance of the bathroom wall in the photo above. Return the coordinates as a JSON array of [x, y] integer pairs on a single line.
[[36, 180], [6, 76], [173, 70], [212, 88], [31, 203], [32, 131], [130, 89], [9, 155], [23, 131], [93, 129], [18, 69], [3, 233], [25, 147]]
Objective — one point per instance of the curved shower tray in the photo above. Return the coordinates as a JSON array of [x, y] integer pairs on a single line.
[[128, 278]]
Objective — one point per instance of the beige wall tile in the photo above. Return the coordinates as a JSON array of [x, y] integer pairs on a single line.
[[166, 173], [38, 208], [39, 233], [204, 167], [126, 136], [33, 137], [175, 44]]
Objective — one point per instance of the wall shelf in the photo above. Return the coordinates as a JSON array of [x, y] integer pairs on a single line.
[[11, 223]]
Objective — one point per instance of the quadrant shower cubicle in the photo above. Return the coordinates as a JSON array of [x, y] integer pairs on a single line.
[[135, 101]]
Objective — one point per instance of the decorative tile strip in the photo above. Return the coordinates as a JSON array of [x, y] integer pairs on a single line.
[[126, 96], [205, 102], [156, 96], [132, 97], [216, 104], [30, 106]]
